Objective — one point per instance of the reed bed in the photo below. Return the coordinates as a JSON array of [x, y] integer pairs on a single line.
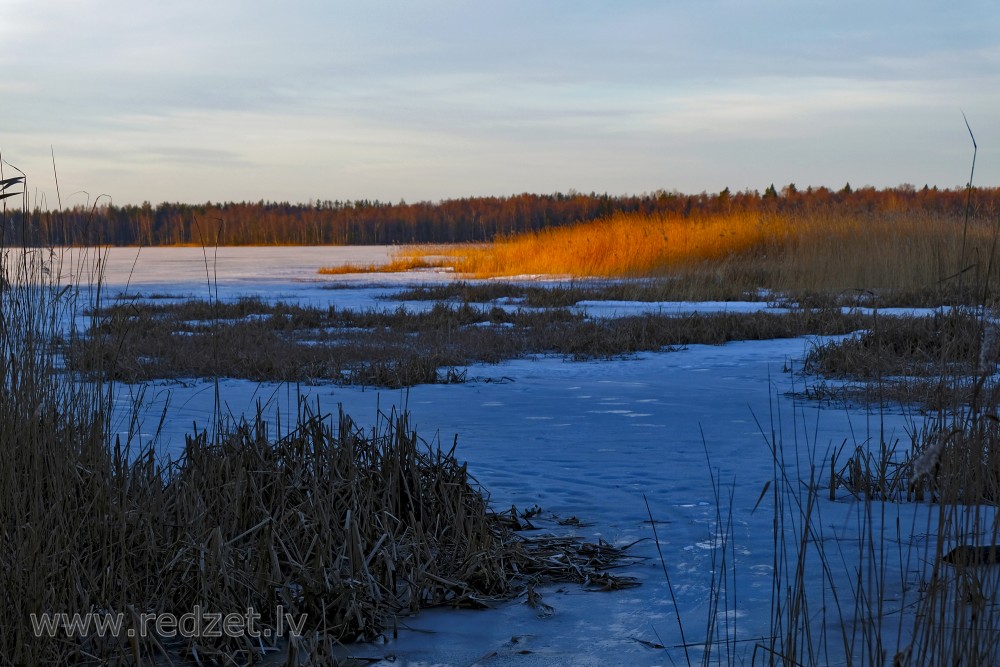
[[622, 245], [886, 598], [347, 528], [920, 360], [729, 255], [398, 264], [563, 295]]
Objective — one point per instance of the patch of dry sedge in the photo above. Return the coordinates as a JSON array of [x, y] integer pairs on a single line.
[[392, 347], [932, 362]]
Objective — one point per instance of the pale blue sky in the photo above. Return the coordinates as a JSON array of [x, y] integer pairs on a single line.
[[244, 100]]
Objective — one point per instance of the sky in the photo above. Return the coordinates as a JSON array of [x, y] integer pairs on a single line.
[[244, 100]]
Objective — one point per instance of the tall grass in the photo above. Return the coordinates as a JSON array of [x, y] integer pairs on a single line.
[[813, 250], [397, 264], [623, 245], [56, 471], [941, 610], [906, 586]]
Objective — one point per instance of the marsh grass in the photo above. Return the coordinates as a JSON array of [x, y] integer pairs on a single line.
[[569, 294], [894, 594], [393, 347], [354, 527], [623, 245], [932, 362], [948, 568], [531, 296], [943, 344], [57, 471], [343, 528], [913, 254], [397, 264]]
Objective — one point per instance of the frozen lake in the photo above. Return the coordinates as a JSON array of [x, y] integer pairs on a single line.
[[592, 440]]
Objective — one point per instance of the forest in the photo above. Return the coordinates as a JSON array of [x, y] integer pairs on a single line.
[[465, 220]]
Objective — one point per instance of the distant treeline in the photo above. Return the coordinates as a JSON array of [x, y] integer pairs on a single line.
[[471, 219]]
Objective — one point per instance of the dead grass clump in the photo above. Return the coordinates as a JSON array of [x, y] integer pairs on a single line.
[[924, 360], [399, 372], [347, 527], [342, 530], [872, 474], [604, 338], [947, 342]]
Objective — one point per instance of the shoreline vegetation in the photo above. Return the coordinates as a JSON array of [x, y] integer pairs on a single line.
[[884, 257]]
